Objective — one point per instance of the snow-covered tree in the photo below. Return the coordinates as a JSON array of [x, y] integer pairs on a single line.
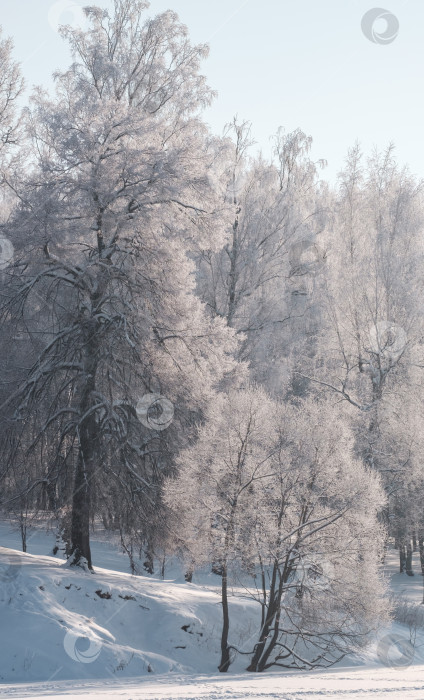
[[11, 87], [317, 543], [371, 328], [212, 494], [119, 186], [272, 492], [273, 207]]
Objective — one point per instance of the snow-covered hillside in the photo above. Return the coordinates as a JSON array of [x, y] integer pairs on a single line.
[[110, 634], [64, 623], [132, 626]]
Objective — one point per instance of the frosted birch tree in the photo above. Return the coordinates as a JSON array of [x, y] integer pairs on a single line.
[[271, 208], [372, 325]]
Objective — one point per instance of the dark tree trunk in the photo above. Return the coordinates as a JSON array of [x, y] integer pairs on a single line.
[[149, 563], [81, 499], [262, 665], [421, 548], [88, 453], [408, 562], [129, 550], [271, 611], [270, 629], [402, 558], [225, 652], [23, 529], [229, 540]]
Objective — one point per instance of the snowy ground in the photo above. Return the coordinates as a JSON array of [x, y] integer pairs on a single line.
[[111, 635], [359, 684]]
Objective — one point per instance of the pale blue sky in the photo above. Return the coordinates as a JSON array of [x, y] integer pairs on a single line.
[[304, 63]]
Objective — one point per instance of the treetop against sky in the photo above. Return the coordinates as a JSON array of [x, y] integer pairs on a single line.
[[340, 71]]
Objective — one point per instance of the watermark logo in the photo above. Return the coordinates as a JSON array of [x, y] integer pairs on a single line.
[[388, 340], [395, 651], [81, 648], [155, 411], [306, 257], [372, 29], [313, 573], [6, 253], [67, 12], [10, 566]]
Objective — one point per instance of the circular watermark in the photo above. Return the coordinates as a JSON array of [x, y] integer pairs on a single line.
[[6, 253], [395, 651], [306, 257], [66, 12], [10, 566], [81, 648], [155, 411], [388, 340], [314, 573], [371, 22]]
